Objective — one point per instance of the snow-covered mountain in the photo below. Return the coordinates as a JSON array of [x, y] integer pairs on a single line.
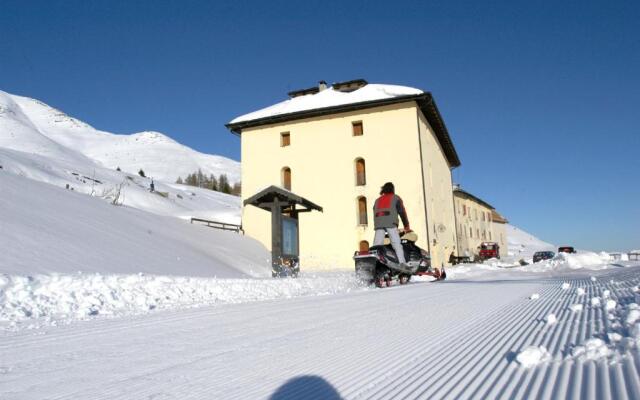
[[31, 126], [41, 143]]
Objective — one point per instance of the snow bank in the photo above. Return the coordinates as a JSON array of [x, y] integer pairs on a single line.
[[562, 262], [31, 301]]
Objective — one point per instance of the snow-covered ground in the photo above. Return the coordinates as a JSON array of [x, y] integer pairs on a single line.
[[570, 336]]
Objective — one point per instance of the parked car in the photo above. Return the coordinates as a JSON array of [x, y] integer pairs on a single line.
[[566, 249], [543, 255]]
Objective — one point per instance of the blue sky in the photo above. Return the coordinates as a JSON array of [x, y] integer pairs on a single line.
[[541, 99]]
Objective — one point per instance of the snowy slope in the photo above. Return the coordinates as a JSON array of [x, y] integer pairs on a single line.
[[31, 126], [88, 178], [46, 230], [522, 245]]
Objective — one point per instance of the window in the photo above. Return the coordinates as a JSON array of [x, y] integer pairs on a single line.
[[286, 178], [285, 139], [475, 213], [470, 232], [364, 245], [478, 233], [483, 217], [361, 175], [490, 235], [362, 211], [489, 217], [464, 209], [357, 128]]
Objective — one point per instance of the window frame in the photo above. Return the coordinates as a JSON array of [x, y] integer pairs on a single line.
[[283, 174], [361, 210], [362, 182], [355, 124], [284, 135]]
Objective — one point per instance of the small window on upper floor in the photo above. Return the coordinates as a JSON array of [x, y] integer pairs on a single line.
[[285, 139], [357, 128]]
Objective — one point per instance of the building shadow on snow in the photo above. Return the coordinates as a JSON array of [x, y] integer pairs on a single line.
[[306, 387]]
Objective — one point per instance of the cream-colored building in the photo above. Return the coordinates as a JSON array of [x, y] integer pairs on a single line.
[[336, 146], [477, 222]]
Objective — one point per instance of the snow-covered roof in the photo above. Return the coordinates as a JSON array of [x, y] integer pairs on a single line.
[[472, 197], [330, 98]]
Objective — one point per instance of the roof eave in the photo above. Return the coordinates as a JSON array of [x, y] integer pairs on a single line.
[[425, 102]]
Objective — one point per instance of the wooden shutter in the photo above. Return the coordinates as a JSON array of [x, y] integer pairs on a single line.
[[357, 128], [286, 178], [361, 177], [362, 211], [285, 139]]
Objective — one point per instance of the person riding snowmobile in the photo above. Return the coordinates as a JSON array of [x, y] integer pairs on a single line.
[[386, 210]]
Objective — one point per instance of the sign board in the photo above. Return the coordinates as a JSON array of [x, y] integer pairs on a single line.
[[289, 237]]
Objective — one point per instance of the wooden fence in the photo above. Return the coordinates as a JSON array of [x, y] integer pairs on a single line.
[[219, 225]]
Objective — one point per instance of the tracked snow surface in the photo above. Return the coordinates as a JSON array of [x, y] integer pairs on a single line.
[[106, 302]]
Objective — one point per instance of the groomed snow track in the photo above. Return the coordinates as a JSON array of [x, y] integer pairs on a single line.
[[446, 340]]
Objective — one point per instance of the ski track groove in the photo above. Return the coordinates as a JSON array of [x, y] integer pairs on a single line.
[[470, 357]]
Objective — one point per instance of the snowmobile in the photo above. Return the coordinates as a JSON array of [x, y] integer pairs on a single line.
[[379, 264]]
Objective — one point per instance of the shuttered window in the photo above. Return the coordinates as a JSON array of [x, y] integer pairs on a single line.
[[357, 128], [286, 178], [361, 175], [285, 139], [362, 211]]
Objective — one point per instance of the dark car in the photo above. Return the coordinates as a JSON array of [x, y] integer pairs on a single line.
[[566, 249], [543, 255]]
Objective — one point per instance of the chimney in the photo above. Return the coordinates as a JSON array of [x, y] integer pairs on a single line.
[[322, 85]]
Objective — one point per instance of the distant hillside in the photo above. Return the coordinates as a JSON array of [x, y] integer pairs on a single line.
[[523, 245], [31, 126], [43, 144]]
